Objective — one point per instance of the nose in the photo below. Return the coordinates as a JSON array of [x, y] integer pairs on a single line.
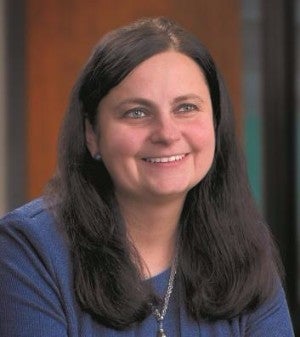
[[165, 130]]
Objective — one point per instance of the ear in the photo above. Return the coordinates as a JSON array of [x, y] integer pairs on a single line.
[[91, 139]]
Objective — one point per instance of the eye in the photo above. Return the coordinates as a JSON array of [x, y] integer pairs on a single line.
[[135, 113], [187, 107]]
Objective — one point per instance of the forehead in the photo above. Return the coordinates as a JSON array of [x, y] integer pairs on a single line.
[[169, 61], [165, 72]]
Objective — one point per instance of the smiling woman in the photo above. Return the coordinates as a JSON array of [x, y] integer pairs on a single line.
[[156, 138], [149, 221]]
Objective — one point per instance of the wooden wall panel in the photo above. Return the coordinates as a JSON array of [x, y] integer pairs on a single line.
[[60, 35]]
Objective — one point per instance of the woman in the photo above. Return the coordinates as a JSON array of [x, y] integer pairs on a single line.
[[148, 227]]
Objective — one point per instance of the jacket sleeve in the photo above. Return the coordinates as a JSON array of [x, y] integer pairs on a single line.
[[271, 319], [29, 296]]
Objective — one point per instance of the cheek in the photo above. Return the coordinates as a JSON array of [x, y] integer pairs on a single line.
[[205, 151], [118, 143], [203, 137]]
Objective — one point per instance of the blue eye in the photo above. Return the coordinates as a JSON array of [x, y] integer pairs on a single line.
[[135, 113], [187, 107]]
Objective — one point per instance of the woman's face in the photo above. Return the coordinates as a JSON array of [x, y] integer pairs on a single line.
[[155, 129]]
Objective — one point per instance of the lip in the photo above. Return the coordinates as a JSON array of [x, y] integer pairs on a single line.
[[174, 158]]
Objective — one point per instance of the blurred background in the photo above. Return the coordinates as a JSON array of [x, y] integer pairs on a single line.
[[256, 44]]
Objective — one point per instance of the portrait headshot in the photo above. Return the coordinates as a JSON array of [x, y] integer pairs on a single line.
[[148, 225]]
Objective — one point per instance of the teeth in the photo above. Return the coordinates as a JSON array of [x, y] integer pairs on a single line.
[[165, 159]]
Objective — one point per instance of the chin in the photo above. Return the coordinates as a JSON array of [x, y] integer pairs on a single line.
[[170, 193]]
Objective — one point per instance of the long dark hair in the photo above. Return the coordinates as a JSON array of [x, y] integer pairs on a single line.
[[227, 262]]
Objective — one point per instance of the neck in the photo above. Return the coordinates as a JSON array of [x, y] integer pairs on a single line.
[[152, 228]]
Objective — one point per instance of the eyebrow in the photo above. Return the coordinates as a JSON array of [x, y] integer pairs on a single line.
[[135, 100], [187, 97], [147, 102]]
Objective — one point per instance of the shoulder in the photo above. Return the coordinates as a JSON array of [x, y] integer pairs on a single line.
[[272, 317], [32, 232], [36, 275], [31, 213], [33, 218]]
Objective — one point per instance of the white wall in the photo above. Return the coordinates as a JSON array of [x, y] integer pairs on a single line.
[[3, 177]]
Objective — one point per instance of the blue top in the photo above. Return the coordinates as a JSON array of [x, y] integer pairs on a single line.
[[37, 297]]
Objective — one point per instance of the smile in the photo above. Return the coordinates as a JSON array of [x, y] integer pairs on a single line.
[[165, 159]]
